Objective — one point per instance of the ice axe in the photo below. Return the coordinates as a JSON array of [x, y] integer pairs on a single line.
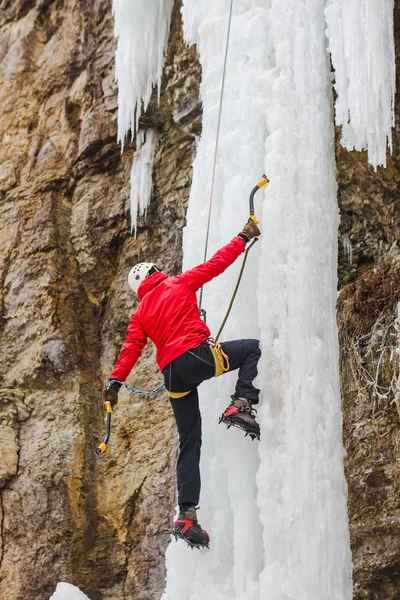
[[99, 450], [259, 185]]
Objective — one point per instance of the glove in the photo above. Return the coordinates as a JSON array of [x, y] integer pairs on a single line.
[[110, 394], [249, 231]]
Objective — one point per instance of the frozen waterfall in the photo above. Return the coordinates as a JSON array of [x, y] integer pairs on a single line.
[[276, 510]]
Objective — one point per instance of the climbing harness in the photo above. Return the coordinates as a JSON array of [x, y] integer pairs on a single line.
[[221, 359], [221, 363]]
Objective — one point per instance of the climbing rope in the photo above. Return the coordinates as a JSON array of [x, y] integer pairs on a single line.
[[252, 217], [235, 290], [216, 146]]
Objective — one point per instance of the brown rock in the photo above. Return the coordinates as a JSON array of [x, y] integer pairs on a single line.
[[65, 251]]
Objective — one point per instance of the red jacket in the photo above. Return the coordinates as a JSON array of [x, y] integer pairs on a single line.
[[168, 312]]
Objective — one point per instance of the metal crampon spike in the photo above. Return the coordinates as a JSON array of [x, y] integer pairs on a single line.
[[198, 546], [239, 426]]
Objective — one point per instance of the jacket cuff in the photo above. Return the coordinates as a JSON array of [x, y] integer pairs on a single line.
[[243, 237], [111, 381]]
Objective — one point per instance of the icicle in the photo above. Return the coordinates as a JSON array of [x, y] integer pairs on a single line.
[[142, 29], [347, 247], [142, 174], [361, 43]]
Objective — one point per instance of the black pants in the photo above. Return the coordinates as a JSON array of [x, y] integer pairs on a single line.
[[186, 373]]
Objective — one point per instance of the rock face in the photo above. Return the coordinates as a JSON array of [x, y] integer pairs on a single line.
[[369, 328], [65, 249]]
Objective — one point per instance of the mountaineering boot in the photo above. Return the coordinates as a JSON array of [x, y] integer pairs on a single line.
[[187, 528], [240, 413]]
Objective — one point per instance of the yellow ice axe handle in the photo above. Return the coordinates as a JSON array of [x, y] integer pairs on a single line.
[[259, 185], [103, 447]]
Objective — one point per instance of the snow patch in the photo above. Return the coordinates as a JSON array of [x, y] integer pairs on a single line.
[[66, 591]]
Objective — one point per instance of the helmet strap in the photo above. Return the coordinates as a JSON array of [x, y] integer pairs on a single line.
[[153, 270]]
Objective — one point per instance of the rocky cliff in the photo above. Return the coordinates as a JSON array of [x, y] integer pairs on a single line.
[[65, 249], [369, 330]]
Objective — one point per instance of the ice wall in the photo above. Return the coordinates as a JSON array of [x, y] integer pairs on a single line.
[[229, 461], [361, 43], [302, 491], [287, 536], [142, 29]]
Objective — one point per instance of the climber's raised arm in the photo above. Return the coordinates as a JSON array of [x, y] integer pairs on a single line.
[[198, 276]]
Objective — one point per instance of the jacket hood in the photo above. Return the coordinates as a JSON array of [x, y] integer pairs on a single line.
[[150, 283]]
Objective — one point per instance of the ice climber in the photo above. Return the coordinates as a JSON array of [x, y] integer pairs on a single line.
[[168, 314]]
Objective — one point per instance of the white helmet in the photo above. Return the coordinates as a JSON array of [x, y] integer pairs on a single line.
[[138, 273]]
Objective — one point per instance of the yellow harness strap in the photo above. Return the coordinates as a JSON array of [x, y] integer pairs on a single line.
[[221, 360], [178, 394]]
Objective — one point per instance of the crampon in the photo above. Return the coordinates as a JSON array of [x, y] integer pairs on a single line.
[[187, 528], [241, 414]]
